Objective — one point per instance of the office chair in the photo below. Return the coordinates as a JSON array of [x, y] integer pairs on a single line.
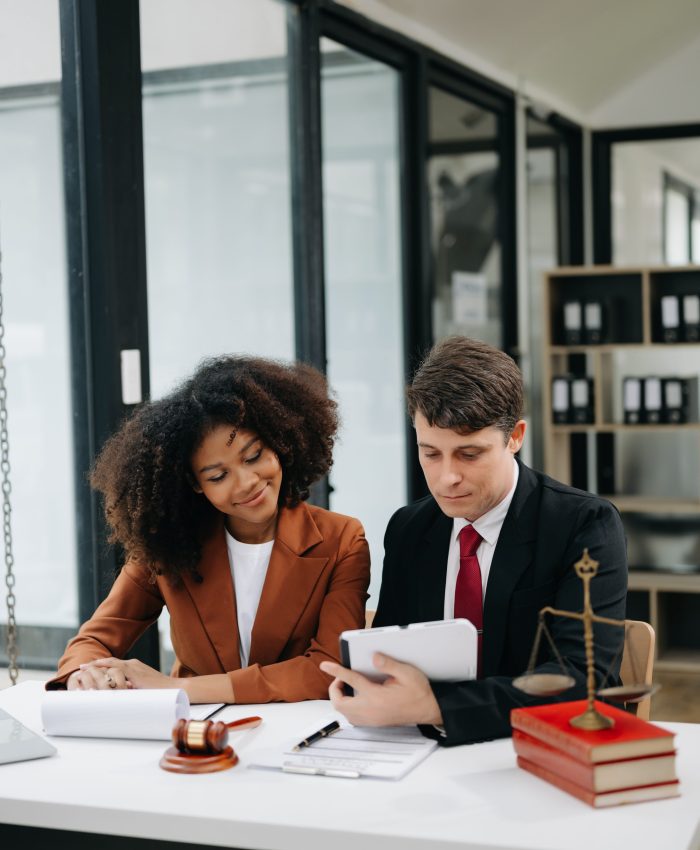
[[638, 662]]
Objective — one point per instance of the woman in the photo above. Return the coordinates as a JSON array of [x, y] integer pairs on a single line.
[[205, 492]]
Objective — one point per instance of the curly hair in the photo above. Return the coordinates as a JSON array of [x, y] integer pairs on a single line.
[[144, 470]]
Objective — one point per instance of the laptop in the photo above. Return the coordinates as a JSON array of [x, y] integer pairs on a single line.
[[17, 743]]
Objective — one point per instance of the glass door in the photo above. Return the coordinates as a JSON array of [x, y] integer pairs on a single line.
[[464, 170], [363, 277]]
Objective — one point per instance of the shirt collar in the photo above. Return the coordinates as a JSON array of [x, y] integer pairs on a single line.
[[489, 525]]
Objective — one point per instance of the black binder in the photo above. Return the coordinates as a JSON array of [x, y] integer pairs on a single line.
[[633, 400], [561, 399], [593, 323], [653, 400], [680, 400], [670, 318], [691, 318], [573, 323], [582, 408]]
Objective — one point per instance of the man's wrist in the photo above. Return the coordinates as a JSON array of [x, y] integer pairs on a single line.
[[432, 714]]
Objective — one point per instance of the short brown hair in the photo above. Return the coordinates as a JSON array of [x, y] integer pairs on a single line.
[[466, 385]]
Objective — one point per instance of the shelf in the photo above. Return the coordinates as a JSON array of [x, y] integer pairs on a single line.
[[611, 348], [649, 505], [664, 580], [678, 661], [632, 345], [612, 427]]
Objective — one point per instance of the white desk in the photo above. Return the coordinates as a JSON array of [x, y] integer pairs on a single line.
[[466, 797]]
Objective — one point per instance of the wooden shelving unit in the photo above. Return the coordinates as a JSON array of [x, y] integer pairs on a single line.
[[646, 470]]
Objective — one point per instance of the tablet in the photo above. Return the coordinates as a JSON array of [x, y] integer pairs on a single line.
[[445, 650], [17, 743]]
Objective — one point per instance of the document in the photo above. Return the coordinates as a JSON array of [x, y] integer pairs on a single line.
[[145, 714], [353, 752]]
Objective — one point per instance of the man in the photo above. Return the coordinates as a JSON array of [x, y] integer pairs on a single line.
[[495, 541]]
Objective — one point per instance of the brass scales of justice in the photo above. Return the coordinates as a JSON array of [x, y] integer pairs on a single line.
[[551, 684]]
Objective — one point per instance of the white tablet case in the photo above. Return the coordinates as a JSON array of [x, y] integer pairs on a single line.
[[445, 650]]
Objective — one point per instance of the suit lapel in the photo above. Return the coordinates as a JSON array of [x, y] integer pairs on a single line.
[[431, 562], [289, 583], [514, 552], [215, 599]]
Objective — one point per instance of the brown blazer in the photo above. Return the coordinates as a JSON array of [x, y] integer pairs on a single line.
[[316, 586]]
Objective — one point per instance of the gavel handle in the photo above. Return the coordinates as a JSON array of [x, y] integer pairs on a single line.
[[245, 723]]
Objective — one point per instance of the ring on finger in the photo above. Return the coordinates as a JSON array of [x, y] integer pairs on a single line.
[[110, 681]]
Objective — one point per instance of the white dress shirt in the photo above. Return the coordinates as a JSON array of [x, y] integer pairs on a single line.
[[489, 527], [249, 562]]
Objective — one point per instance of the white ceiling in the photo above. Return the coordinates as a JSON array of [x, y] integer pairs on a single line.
[[581, 51]]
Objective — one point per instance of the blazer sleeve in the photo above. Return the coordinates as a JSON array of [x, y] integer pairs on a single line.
[[343, 607], [480, 710], [131, 606]]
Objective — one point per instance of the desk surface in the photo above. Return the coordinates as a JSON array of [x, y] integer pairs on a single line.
[[467, 797]]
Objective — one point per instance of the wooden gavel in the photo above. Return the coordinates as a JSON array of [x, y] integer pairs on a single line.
[[207, 737]]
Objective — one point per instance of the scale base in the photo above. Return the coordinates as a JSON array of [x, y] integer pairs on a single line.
[[591, 721]]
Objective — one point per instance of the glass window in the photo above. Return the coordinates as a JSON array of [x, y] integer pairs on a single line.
[[217, 193], [364, 327], [463, 173], [676, 227], [37, 341], [217, 189], [650, 219]]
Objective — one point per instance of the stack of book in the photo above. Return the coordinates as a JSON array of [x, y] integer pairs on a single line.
[[631, 761]]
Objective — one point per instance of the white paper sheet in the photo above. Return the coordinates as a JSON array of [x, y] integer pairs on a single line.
[[353, 752], [144, 714]]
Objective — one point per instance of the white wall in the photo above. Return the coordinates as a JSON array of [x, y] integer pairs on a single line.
[[666, 94]]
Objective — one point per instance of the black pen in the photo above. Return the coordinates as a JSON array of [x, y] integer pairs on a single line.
[[322, 733]]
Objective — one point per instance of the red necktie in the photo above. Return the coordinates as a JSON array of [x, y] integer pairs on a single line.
[[468, 595]]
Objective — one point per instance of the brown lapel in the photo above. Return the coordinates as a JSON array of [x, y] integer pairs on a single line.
[[289, 583], [215, 599]]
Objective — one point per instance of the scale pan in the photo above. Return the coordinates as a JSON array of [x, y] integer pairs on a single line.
[[543, 684], [634, 692]]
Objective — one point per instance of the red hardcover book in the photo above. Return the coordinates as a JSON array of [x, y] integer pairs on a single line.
[[605, 776], [608, 798], [627, 738]]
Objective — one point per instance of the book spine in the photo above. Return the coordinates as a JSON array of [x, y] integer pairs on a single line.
[[576, 771], [558, 781], [552, 735]]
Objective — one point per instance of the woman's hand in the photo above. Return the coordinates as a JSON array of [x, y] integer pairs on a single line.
[[118, 673], [90, 677]]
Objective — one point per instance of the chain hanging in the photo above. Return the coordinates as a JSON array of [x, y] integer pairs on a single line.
[[6, 506]]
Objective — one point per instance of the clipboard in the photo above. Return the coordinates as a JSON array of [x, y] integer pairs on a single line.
[[354, 752], [445, 650]]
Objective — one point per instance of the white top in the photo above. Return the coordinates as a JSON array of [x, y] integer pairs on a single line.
[[489, 527], [249, 562], [471, 797]]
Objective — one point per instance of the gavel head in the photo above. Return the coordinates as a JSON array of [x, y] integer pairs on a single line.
[[200, 737]]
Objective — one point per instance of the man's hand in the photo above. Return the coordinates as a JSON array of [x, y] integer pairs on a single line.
[[404, 699]]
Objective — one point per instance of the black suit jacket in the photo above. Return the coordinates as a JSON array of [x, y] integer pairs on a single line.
[[544, 533]]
